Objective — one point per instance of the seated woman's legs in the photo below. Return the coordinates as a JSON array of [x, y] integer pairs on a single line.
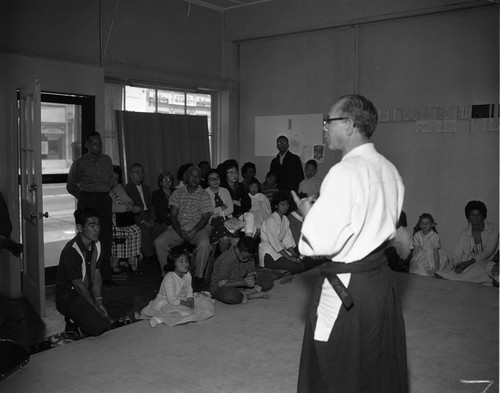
[[249, 220], [283, 264]]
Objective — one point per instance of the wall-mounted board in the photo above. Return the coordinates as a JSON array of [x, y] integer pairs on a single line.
[[304, 133]]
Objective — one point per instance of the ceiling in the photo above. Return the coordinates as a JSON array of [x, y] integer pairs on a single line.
[[224, 5]]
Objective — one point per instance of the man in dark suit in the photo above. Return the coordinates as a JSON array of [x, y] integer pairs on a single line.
[[141, 195], [286, 166]]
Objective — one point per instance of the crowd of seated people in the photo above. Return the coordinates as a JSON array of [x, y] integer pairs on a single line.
[[255, 227], [475, 256], [263, 212]]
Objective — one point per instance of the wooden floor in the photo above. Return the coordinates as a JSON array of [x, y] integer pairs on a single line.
[[451, 330]]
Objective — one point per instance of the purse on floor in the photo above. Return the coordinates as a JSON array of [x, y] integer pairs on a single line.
[[12, 357]]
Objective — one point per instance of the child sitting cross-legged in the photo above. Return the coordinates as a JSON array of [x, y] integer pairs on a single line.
[[175, 302], [234, 276]]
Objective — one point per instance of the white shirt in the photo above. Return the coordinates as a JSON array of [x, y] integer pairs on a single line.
[[402, 242], [310, 186], [141, 193], [359, 204], [275, 236]]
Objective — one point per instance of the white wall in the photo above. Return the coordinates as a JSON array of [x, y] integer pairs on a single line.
[[434, 60]]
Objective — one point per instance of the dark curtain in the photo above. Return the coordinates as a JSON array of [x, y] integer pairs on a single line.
[[160, 142]]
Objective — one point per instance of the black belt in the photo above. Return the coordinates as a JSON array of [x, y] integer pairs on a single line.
[[330, 270]]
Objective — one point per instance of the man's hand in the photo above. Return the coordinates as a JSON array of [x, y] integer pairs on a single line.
[[101, 309], [149, 224], [184, 236], [304, 204]]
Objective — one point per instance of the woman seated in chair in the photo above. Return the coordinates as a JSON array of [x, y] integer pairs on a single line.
[[223, 210], [160, 199], [126, 235], [476, 247], [240, 197]]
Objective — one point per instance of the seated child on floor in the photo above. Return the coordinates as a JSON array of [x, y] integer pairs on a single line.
[[261, 207], [175, 302], [269, 187], [234, 276], [427, 257], [311, 184]]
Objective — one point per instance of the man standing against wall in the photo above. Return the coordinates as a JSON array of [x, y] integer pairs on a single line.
[[89, 181], [354, 339], [286, 166]]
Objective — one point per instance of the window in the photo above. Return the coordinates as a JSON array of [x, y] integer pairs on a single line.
[[144, 99]]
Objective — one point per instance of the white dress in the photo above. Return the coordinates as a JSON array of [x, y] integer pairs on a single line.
[[166, 307], [261, 208], [422, 261]]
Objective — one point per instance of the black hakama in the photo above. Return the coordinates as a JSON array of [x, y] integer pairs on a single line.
[[366, 350]]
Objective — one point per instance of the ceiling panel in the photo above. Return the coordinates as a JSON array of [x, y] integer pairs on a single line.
[[223, 5]]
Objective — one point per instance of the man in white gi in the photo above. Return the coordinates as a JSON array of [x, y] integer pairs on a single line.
[[354, 339]]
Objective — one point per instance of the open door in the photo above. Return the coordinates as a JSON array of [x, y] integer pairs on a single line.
[[31, 196]]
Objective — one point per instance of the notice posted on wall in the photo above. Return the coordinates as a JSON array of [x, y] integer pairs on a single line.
[[304, 133]]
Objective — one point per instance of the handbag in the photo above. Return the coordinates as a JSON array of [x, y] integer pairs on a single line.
[[124, 219], [233, 225]]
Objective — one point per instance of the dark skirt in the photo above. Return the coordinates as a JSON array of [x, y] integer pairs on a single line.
[[366, 350]]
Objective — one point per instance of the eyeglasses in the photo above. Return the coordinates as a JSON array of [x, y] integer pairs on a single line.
[[327, 119], [213, 178], [167, 178]]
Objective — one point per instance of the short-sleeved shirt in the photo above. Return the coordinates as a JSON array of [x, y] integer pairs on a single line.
[[191, 206], [90, 174], [72, 265], [310, 186], [228, 267]]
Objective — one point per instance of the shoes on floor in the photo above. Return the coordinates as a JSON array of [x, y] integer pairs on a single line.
[[136, 273], [71, 328]]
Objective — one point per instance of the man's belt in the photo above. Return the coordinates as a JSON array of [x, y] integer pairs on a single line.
[[330, 270]]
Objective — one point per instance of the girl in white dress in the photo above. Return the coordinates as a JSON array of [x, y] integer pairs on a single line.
[[427, 257], [261, 207], [175, 303]]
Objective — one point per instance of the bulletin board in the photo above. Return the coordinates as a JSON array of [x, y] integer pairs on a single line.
[[304, 133]]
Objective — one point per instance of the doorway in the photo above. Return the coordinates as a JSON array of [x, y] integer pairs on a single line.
[[65, 119]]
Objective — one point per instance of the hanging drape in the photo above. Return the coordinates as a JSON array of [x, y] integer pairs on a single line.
[[161, 141]]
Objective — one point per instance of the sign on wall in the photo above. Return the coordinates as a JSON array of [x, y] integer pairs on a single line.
[[304, 133]]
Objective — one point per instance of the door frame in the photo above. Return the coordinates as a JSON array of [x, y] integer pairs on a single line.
[[30, 169]]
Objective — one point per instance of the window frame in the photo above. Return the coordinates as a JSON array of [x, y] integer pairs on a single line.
[[213, 99]]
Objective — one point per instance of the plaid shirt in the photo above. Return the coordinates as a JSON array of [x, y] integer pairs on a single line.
[[228, 267], [191, 206]]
